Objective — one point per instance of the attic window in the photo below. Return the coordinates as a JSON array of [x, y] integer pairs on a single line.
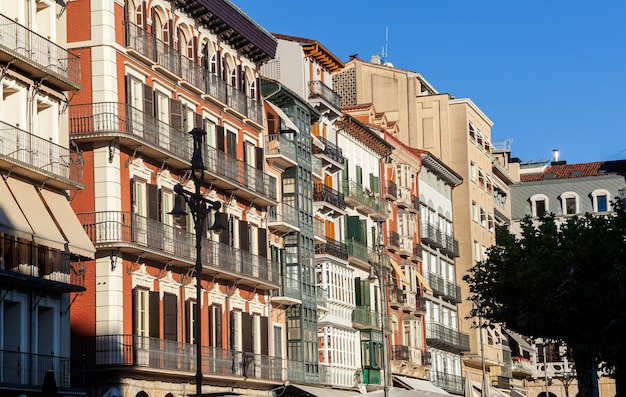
[[549, 175], [576, 173]]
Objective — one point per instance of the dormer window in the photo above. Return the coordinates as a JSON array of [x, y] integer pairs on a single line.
[[539, 205], [601, 200], [569, 203]]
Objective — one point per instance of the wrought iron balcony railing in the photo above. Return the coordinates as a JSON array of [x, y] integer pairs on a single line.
[[444, 288], [330, 150], [317, 89], [332, 247], [450, 245], [366, 317], [442, 337], [282, 213], [171, 60], [358, 250], [123, 350], [393, 242], [451, 383], [391, 190], [290, 288], [42, 156], [321, 192], [38, 261], [431, 235], [127, 229], [20, 369], [280, 150], [39, 56], [366, 201]]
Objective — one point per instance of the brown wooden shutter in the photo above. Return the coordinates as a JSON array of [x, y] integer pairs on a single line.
[[262, 242], [246, 332], [176, 114], [244, 236], [265, 336], [129, 96], [259, 158], [135, 299], [148, 97], [144, 22], [232, 330], [197, 120], [152, 193], [218, 326], [231, 144], [189, 325], [132, 195], [219, 137], [154, 315], [170, 317]]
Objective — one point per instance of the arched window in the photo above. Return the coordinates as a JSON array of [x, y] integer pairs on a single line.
[[253, 89], [601, 200], [233, 77], [539, 204], [139, 15], [570, 203], [213, 63]]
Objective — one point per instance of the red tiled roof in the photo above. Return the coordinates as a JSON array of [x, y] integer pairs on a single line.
[[358, 106], [565, 171]]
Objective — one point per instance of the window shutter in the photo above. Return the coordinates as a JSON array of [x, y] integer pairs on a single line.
[[359, 175], [357, 292], [353, 231], [132, 195], [152, 192], [374, 183], [148, 107], [265, 335], [259, 158], [224, 236], [197, 120], [363, 231], [365, 290], [129, 95], [189, 325], [232, 330], [246, 332], [244, 236], [219, 137], [218, 326], [231, 144], [154, 315], [135, 299], [144, 23], [170, 317], [176, 114], [262, 243]]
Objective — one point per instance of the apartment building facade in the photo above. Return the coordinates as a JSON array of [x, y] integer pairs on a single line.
[[153, 72], [43, 249], [458, 133]]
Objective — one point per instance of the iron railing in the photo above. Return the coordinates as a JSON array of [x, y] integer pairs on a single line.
[[124, 350], [450, 245], [394, 240], [38, 261], [431, 235], [30, 151], [366, 316], [33, 48], [449, 382], [332, 247], [114, 227], [28, 369], [283, 212], [321, 192], [445, 338], [391, 189], [358, 249], [289, 287], [330, 150], [277, 144], [444, 288], [170, 59], [317, 89], [356, 191]]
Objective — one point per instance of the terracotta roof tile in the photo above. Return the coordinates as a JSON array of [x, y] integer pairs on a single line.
[[565, 171], [358, 106]]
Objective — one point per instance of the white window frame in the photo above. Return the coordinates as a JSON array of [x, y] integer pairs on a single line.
[[568, 195], [601, 192], [534, 199]]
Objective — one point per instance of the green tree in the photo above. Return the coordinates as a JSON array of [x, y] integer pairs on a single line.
[[562, 282]]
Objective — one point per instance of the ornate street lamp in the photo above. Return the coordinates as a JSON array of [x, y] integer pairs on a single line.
[[200, 208]]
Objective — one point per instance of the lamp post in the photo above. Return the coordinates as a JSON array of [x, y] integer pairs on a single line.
[[379, 272], [200, 208]]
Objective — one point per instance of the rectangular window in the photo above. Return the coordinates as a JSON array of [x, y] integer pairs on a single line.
[[570, 205], [602, 203], [540, 207]]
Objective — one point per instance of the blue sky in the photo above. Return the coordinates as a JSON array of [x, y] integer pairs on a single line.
[[549, 74]]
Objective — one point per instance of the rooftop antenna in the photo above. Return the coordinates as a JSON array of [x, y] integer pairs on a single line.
[[385, 50]]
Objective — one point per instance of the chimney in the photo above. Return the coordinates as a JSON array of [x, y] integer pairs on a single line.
[[555, 156]]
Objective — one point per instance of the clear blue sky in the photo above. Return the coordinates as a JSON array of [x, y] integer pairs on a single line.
[[549, 73]]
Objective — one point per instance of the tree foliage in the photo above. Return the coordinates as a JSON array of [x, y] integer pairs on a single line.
[[561, 282]]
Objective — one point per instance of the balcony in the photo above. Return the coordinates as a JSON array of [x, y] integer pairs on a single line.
[[38, 57], [328, 200], [138, 235], [40, 265], [391, 190], [431, 235], [521, 366], [441, 337], [333, 248], [404, 198], [406, 359], [174, 358], [450, 246], [396, 298], [358, 254], [325, 98], [39, 159], [26, 371], [331, 155], [417, 253], [289, 292], [364, 200], [283, 218], [165, 58], [405, 249], [451, 383], [363, 317], [444, 288], [110, 121], [280, 152]]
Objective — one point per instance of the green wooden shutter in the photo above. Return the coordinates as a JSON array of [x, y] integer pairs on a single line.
[[359, 175], [353, 229]]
